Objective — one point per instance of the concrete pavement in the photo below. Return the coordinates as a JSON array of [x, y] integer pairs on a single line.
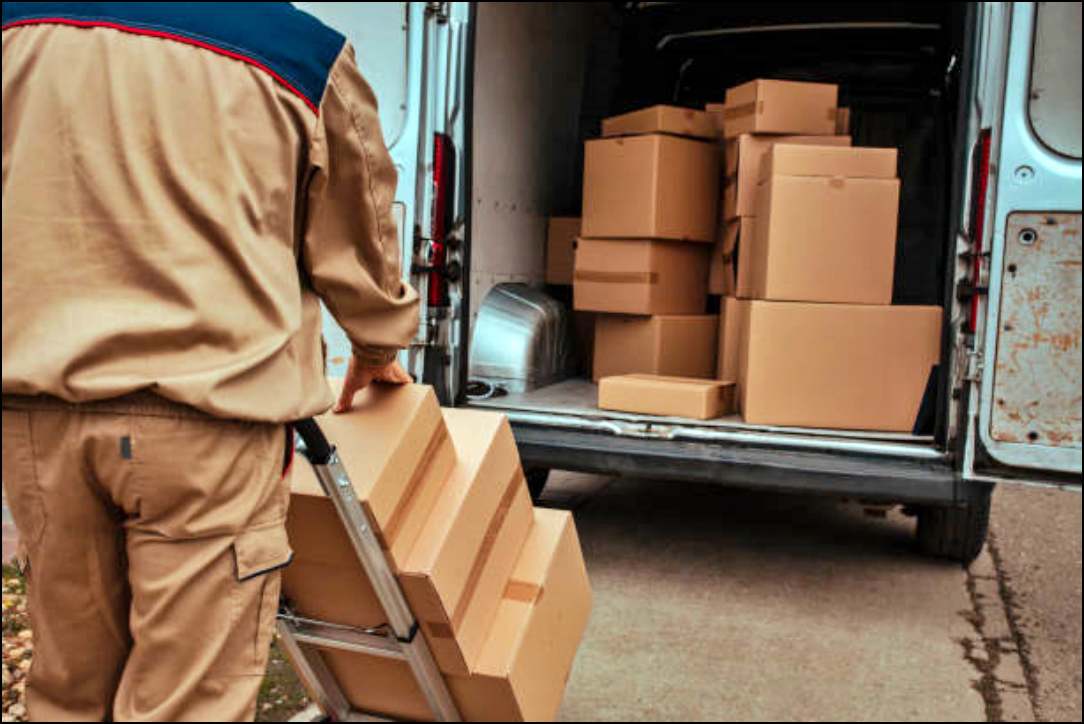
[[1036, 543], [729, 605]]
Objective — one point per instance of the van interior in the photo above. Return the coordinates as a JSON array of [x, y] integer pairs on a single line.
[[544, 75]]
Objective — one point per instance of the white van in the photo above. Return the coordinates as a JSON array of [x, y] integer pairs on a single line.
[[485, 107]]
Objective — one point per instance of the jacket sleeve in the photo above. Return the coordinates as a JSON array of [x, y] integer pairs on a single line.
[[350, 245]]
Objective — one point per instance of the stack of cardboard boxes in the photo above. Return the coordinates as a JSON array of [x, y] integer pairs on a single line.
[[650, 200], [810, 334], [499, 588]]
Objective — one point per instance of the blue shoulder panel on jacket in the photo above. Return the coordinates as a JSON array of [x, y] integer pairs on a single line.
[[290, 43]]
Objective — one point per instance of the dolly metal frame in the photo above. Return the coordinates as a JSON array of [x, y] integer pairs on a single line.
[[397, 639]]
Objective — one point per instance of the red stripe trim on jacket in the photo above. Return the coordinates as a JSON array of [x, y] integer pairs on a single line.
[[169, 36]]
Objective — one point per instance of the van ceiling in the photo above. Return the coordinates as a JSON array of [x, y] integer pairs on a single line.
[[689, 53]]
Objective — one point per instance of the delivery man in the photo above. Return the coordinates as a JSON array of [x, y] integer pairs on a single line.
[[181, 183]]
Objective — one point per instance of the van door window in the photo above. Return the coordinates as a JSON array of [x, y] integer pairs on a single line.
[[1054, 101]]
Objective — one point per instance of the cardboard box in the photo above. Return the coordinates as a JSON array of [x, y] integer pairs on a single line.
[[723, 264], [778, 106], [527, 656], [721, 267], [561, 248], [639, 276], [843, 120], [650, 187], [660, 119], [677, 345], [738, 236], [671, 396], [846, 366], [731, 332], [398, 454], [455, 575], [825, 238], [742, 160]]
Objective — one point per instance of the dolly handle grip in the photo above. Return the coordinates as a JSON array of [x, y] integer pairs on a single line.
[[317, 449]]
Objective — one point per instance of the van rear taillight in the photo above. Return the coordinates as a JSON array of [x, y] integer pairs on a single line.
[[443, 197], [980, 178]]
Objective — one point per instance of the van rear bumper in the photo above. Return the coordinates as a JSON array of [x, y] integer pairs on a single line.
[[829, 472]]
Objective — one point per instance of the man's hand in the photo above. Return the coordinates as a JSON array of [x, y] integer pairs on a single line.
[[359, 376]]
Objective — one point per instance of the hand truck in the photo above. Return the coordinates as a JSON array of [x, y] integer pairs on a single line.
[[400, 638]]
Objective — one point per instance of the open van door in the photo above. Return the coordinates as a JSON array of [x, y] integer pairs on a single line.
[[412, 54], [1024, 413]]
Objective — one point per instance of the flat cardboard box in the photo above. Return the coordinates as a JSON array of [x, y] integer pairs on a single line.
[[742, 160], [457, 570], [676, 345], [778, 106], [731, 332], [660, 119], [527, 656], [398, 453], [829, 238], [843, 120], [561, 248], [844, 366], [650, 187], [637, 276], [670, 396], [852, 162]]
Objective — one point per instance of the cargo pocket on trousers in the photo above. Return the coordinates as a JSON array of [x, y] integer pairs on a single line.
[[259, 557]]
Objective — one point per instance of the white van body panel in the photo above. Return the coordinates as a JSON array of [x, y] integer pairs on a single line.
[[524, 143], [387, 41]]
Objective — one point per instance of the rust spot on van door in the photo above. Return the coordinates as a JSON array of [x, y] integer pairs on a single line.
[[1037, 369]]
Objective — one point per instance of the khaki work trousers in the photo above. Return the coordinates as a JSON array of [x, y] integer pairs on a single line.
[[154, 536]]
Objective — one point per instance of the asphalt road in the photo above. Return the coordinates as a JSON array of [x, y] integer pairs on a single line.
[[729, 605]]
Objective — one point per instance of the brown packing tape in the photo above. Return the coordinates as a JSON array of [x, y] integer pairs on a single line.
[[399, 513], [522, 591], [585, 275], [746, 109], [439, 630], [488, 543]]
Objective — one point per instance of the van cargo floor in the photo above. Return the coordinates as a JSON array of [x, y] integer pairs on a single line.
[[573, 404]]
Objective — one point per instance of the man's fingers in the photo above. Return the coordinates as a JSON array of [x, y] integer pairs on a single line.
[[395, 374], [356, 379], [346, 395]]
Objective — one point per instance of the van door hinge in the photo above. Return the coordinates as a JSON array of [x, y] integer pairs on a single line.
[[438, 11], [974, 367]]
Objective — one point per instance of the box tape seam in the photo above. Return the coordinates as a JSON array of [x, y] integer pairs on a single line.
[[406, 502]]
